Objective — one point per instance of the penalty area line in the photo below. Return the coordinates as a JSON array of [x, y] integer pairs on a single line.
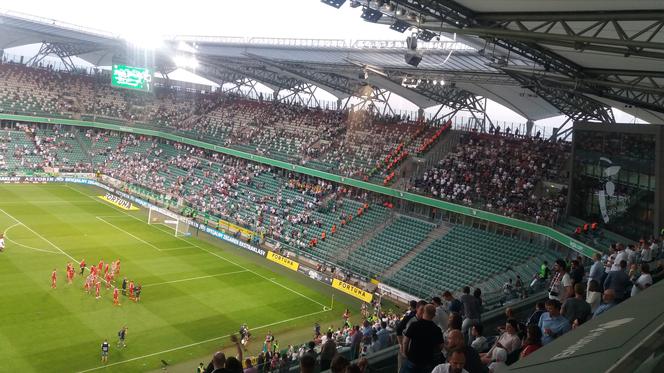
[[198, 343], [194, 278], [209, 252]]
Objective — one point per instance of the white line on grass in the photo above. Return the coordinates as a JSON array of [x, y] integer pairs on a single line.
[[211, 252], [179, 248], [40, 236], [22, 245], [120, 229], [195, 278], [199, 343], [49, 242]]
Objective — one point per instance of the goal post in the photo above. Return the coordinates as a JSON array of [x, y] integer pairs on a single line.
[[170, 220]]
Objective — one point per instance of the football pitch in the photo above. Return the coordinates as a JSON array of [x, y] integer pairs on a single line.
[[196, 290]]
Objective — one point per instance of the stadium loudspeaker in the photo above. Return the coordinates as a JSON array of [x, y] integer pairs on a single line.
[[413, 59]]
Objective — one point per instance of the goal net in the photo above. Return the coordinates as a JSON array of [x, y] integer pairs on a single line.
[[171, 221]]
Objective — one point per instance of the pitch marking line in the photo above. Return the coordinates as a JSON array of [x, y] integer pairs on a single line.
[[25, 246], [122, 230], [211, 252], [40, 236], [199, 343], [49, 242], [195, 278]]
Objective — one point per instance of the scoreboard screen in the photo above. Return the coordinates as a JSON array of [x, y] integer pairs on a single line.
[[129, 77]]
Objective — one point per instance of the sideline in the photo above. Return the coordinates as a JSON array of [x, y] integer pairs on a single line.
[[198, 343]]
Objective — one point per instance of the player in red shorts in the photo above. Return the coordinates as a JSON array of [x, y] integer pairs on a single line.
[[116, 295], [101, 265], [82, 265], [97, 289], [108, 280], [54, 277], [117, 268], [106, 268], [131, 290]]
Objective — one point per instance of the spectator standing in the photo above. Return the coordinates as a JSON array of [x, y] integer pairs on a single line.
[[441, 314], [619, 282], [327, 352], [471, 313], [596, 270], [576, 309], [453, 304], [561, 284], [553, 324], [421, 341], [576, 272]]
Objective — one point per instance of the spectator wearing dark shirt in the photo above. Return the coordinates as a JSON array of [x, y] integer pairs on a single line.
[[470, 311], [535, 316], [327, 352], [402, 325], [576, 272], [576, 309], [421, 342], [619, 281], [453, 304]]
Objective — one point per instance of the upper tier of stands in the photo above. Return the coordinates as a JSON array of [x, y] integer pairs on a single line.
[[350, 143], [502, 174]]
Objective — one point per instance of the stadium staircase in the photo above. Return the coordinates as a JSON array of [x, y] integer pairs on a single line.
[[433, 235], [344, 254], [464, 256]]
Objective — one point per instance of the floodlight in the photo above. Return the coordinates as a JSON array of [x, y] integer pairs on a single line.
[[425, 35], [371, 15], [400, 26], [335, 3]]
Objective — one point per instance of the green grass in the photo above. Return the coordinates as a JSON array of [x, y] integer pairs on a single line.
[[196, 291]]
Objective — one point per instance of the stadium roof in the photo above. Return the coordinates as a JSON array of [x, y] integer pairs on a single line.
[[538, 61]]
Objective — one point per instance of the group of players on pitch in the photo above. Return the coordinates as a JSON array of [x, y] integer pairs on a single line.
[[94, 280]]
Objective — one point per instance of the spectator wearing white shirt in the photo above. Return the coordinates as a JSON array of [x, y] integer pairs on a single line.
[[455, 362], [621, 255], [644, 281]]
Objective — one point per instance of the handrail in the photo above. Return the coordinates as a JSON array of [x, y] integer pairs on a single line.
[[549, 232]]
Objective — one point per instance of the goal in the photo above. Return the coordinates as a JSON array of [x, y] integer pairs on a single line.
[[169, 220]]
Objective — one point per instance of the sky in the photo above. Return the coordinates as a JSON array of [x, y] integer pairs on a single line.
[[246, 18]]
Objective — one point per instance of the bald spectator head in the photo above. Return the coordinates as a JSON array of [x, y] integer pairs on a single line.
[[429, 312], [219, 360], [455, 340]]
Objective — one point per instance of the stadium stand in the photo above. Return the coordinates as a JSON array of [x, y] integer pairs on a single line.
[[342, 142]]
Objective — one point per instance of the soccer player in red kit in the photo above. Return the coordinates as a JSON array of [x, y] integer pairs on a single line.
[[116, 295], [54, 277], [108, 266], [97, 289], [131, 290], [117, 268], [82, 265], [101, 265], [108, 280]]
